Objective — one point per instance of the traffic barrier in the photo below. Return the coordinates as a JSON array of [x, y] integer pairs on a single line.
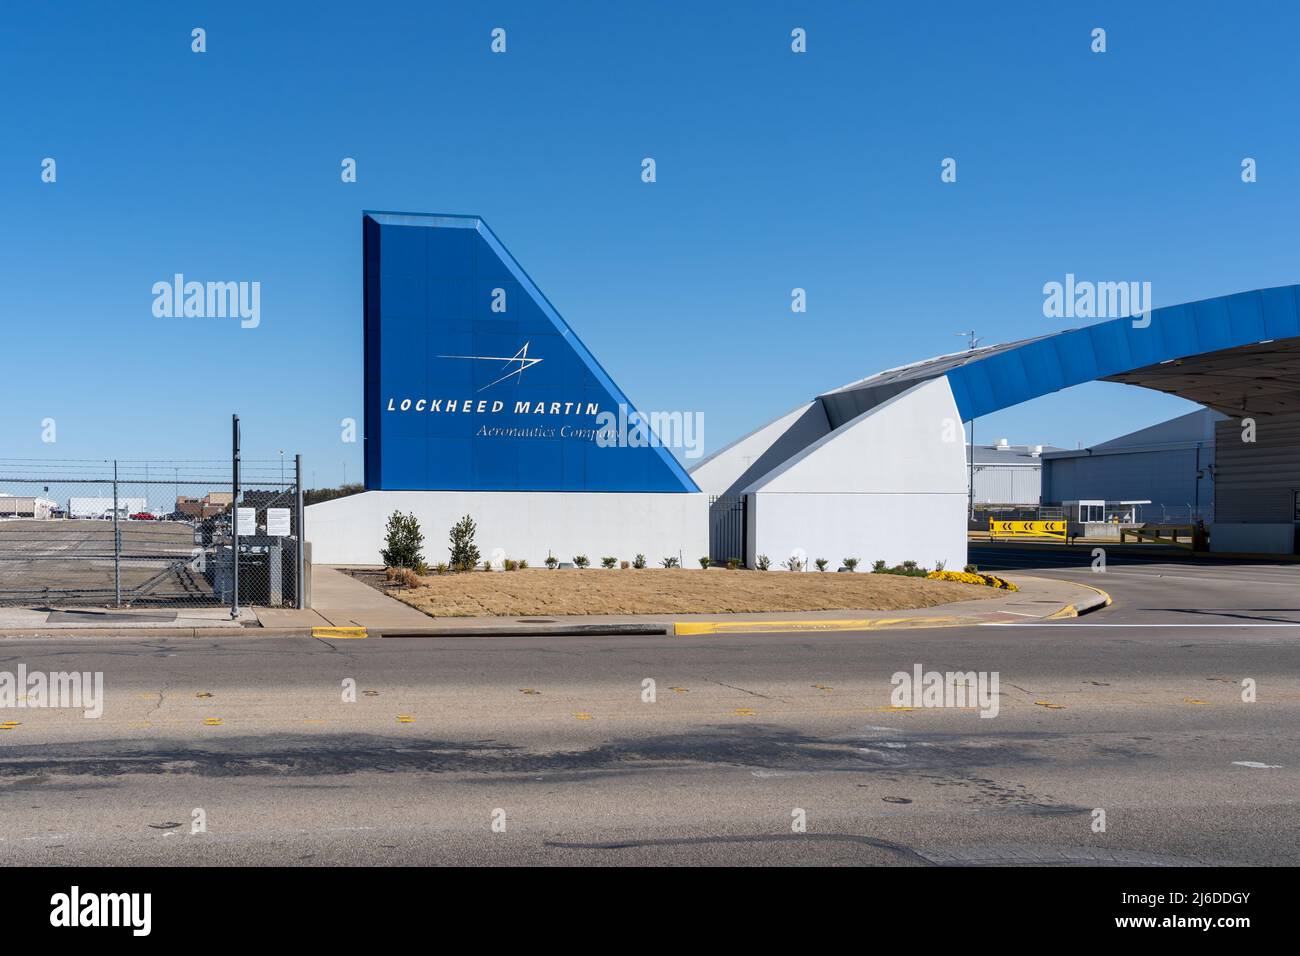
[[1051, 530]]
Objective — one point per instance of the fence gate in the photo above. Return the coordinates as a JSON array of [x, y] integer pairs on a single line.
[[148, 534], [726, 528]]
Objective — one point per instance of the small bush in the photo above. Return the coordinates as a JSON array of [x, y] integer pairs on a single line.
[[704, 563], [638, 561], [404, 540], [580, 561], [552, 561], [851, 563], [421, 568], [764, 562], [464, 554], [972, 569], [407, 577], [821, 564], [940, 565], [733, 563], [510, 564], [907, 569], [440, 567], [609, 562], [523, 564], [487, 565], [793, 563], [669, 563]]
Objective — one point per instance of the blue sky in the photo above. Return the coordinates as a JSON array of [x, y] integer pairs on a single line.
[[775, 170]]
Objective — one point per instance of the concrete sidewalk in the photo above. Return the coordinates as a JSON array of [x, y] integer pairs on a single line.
[[1037, 599], [344, 607]]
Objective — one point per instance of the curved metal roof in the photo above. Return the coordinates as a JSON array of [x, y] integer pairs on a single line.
[[1238, 354]]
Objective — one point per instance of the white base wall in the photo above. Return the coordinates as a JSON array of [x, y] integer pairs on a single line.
[[889, 485], [925, 528], [1252, 538], [517, 524]]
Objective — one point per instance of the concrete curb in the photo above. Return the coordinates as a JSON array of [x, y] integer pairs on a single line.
[[50, 632], [1098, 599], [533, 630]]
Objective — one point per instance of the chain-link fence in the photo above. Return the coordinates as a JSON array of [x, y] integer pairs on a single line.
[[149, 533]]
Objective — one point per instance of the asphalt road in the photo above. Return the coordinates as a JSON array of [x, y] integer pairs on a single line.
[[1136, 710]]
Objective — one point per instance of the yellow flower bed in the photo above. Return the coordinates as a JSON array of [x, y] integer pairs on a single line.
[[968, 577]]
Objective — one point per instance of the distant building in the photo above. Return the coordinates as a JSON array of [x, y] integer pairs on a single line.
[[102, 507], [1008, 475], [1170, 465], [209, 506], [26, 506]]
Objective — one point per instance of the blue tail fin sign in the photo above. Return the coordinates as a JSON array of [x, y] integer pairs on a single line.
[[473, 382]]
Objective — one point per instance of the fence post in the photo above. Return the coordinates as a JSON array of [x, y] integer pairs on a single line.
[[300, 560], [117, 546], [234, 516]]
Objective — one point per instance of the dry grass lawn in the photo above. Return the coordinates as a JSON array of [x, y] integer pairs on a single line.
[[539, 591]]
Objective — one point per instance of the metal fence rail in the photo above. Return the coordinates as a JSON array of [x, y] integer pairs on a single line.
[[148, 533]]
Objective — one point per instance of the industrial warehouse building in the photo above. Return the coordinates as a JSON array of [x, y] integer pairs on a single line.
[[480, 400], [1168, 467], [26, 506], [1008, 476]]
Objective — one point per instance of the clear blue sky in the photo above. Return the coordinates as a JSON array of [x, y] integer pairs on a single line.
[[775, 170]]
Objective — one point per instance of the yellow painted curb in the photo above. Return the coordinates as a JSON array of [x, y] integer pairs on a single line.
[[340, 633], [1068, 611], [688, 628]]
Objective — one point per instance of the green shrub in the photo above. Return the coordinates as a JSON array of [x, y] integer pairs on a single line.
[[552, 561], [733, 563], [580, 561], [877, 567], [669, 562], [609, 562], [440, 567], [405, 542], [764, 562], [793, 563], [509, 564], [972, 569], [821, 564], [464, 554], [638, 561], [523, 564], [851, 563], [704, 563]]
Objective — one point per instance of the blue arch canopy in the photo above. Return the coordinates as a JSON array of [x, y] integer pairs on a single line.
[[1238, 354]]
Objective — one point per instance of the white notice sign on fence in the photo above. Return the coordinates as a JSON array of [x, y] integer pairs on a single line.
[[277, 522], [247, 521]]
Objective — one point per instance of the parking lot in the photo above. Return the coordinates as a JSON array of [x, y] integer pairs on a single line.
[[72, 561]]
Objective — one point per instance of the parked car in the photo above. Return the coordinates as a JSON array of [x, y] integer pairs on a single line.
[[143, 516]]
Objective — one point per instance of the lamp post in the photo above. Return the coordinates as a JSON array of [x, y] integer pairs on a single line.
[[972, 344]]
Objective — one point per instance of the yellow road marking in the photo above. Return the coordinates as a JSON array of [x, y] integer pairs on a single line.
[[405, 719], [212, 721], [339, 633], [744, 712], [528, 690], [582, 715], [1193, 700], [203, 694], [1049, 705]]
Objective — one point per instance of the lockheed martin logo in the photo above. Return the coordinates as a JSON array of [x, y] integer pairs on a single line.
[[520, 358]]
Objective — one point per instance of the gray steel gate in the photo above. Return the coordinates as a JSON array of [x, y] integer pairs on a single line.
[[148, 533], [726, 528]]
